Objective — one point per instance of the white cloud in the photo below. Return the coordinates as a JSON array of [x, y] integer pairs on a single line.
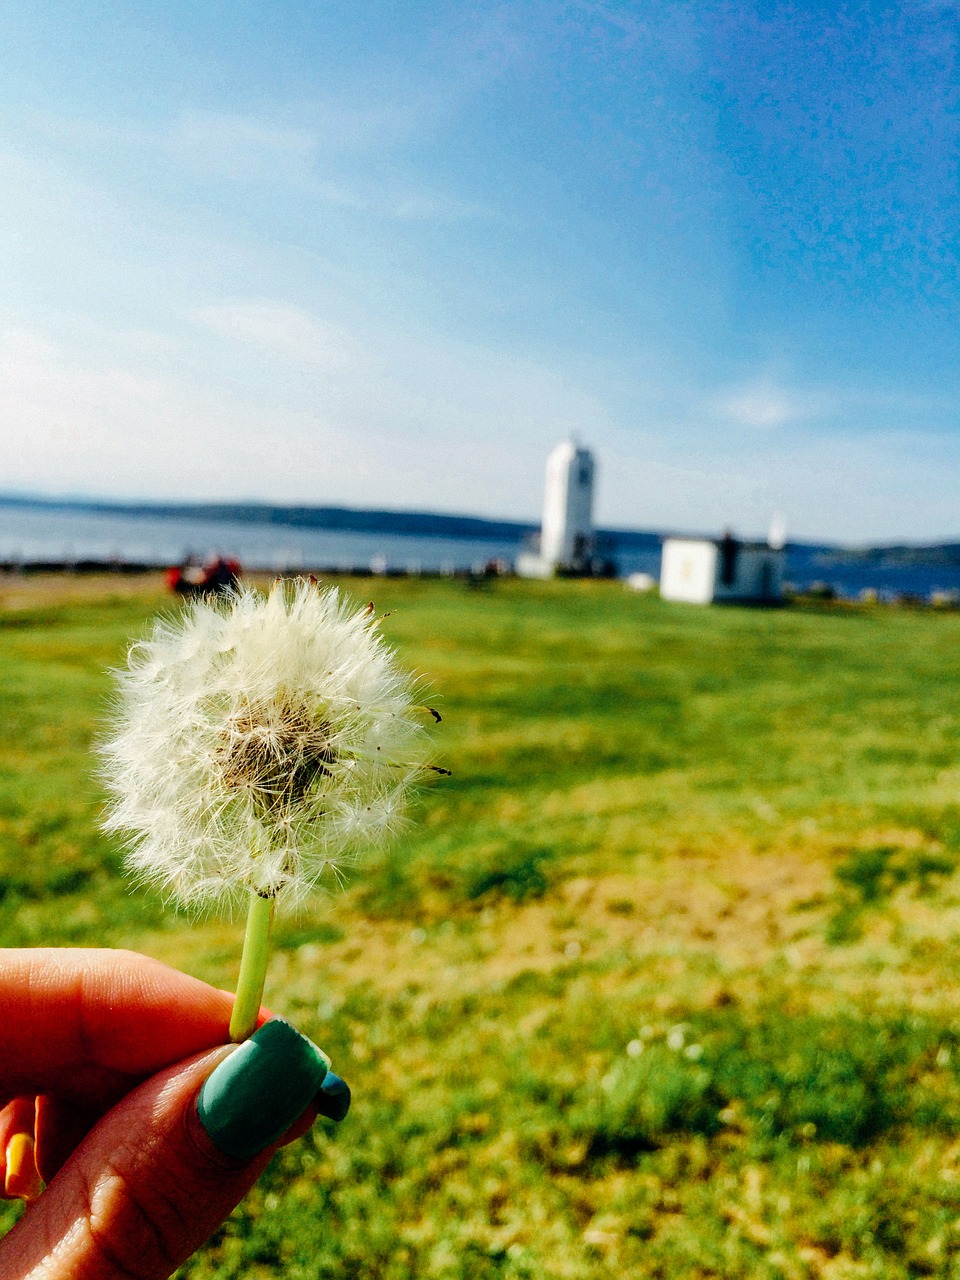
[[411, 203], [407, 422], [289, 141], [403, 423], [332, 153], [318, 153], [279, 330], [764, 405], [235, 147], [54, 407], [74, 423]]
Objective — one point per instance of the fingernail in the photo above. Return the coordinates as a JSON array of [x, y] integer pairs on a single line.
[[333, 1100], [22, 1179], [255, 1094]]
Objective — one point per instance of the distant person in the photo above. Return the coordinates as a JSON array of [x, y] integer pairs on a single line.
[[729, 550], [219, 575]]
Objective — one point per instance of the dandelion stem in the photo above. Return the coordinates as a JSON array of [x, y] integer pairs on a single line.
[[253, 966]]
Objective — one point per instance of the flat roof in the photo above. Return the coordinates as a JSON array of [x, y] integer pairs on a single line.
[[745, 543]]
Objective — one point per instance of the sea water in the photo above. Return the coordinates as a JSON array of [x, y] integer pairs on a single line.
[[29, 534]]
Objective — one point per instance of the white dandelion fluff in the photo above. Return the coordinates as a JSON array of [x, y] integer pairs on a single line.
[[259, 743]]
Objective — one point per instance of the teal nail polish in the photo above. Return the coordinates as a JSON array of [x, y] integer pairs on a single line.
[[333, 1100], [255, 1095]]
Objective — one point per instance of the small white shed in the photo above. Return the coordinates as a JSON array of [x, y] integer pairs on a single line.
[[704, 570]]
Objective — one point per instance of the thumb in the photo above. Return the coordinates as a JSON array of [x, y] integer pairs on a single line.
[[168, 1163]]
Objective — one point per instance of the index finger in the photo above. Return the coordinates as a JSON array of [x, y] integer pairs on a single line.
[[74, 1020]]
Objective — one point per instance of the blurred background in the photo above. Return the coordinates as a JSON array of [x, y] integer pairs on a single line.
[[662, 981], [386, 256]]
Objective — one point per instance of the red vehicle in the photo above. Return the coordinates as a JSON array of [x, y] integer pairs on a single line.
[[213, 578]]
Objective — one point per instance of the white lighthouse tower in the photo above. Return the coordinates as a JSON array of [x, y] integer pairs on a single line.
[[566, 535]]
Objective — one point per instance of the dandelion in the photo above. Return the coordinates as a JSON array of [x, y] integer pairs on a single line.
[[260, 743]]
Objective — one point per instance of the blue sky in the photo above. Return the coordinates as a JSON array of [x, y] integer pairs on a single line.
[[383, 254]]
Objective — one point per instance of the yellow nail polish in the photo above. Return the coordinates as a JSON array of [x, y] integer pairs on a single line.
[[22, 1180]]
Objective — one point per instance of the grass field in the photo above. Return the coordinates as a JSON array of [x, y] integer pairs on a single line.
[[663, 982]]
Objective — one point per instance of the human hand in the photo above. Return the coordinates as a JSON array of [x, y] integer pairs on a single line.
[[108, 1061]]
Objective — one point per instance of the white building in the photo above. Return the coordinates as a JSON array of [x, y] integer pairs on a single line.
[[702, 570], [566, 534]]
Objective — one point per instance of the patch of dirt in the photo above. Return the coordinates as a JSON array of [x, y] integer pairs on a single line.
[[714, 928]]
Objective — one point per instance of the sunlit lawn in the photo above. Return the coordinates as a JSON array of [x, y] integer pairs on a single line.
[[662, 982]]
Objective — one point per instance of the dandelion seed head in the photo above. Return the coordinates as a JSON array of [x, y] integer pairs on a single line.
[[259, 742]]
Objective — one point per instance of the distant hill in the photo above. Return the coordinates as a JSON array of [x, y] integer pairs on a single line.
[[900, 555], [349, 519], [423, 523], [432, 524]]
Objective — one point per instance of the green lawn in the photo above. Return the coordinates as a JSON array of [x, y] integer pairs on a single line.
[[662, 982]]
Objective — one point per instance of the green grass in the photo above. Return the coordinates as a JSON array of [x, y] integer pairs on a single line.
[[664, 980]]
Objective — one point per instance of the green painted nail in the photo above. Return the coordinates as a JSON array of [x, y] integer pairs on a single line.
[[255, 1095]]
